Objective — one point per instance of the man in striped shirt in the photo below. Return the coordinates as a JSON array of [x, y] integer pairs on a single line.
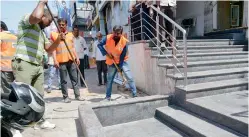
[[27, 64]]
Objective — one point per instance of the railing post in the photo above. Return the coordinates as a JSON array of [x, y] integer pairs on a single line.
[[185, 59], [174, 46], [129, 25], [133, 37], [141, 19], [157, 32]]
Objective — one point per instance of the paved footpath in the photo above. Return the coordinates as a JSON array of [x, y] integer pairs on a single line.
[[65, 115]]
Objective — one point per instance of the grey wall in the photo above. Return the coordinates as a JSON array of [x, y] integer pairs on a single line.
[[149, 78], [128, 112]]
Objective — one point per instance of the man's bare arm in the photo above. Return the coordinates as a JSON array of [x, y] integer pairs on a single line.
[[37, 14]]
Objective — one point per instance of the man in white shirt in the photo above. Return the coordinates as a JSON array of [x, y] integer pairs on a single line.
[[80, 47], [100, 60]]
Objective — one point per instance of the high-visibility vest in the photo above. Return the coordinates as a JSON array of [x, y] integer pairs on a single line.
[[62, 54], [7, 50], [115, 51]]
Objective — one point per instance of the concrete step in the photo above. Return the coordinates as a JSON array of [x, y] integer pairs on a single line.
[[142, 128], [212, 65], [208, 42], [191, 124], [229, 109], [210, 75], [203, 49], [212, 88], [204, 56]]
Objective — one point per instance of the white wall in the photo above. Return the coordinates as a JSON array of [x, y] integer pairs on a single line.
[[191, 9]]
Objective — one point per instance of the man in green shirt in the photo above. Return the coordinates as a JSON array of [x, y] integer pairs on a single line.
[[28, 61]]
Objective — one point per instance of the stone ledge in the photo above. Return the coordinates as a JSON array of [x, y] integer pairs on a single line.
[[89, 121]]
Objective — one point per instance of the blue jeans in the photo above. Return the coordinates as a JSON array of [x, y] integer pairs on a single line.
[[127, 73], [53, 71]]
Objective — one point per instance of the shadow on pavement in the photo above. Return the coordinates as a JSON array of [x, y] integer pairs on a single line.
[[78, 128]]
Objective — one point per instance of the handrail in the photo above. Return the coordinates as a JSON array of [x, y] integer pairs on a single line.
[[174, 60], [169, 19]]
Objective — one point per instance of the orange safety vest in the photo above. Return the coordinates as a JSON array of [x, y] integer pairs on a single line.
[[7, 50], [115, 51], [62, 54]]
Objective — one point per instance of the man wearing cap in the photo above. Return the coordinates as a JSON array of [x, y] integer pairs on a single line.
[[116, 50]]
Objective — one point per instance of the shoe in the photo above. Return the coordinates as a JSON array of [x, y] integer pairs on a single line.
[[108, 98], [67, 100], [79, 98], [47, 125], [83, 86], [134, 96], [99, 84], [48, 90]]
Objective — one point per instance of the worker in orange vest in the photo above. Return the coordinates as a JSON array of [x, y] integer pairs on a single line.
[[65, 63], [7, 52], [116, 50]]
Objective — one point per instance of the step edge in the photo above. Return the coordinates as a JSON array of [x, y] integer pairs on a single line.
[[189, 106]]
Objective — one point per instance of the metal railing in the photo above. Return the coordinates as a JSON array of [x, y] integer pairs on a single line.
[[150, 29]]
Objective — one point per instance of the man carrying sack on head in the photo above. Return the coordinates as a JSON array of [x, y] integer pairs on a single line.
[[116, 51]]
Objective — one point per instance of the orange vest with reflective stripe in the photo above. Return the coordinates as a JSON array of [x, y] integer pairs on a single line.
[[7, 50], [115, 51], [62, 54]]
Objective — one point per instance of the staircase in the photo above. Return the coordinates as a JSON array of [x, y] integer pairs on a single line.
[[215, 98], [214, 67]]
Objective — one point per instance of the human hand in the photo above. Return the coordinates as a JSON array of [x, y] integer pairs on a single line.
[[56, 64], [44, 1], [61, 36], [77, 61]]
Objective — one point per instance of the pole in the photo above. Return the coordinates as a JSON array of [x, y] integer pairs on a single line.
[[81, 76]]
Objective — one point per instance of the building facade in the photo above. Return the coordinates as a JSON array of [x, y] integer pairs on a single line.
[[208, 16]]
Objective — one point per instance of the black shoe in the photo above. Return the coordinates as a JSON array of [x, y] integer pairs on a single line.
[[82, 85], [99, 84]]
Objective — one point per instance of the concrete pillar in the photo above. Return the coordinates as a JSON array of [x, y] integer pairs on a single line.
[[245, 17], [245, 14], [102, 23], [215, 11]]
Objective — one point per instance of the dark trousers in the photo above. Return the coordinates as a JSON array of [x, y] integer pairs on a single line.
[[136, 25], [6, 79], [87, 66], [167, 26], [102, 67], [82, 68], [70, 68]]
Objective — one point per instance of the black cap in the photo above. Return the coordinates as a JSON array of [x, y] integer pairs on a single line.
[[4, 26], [118, 28]]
